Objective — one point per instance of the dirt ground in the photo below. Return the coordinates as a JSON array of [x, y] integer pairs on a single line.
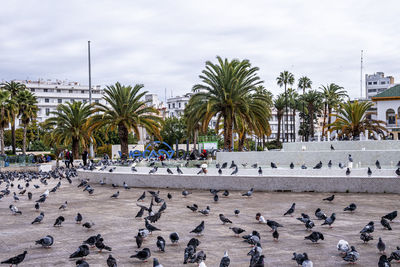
[[115, 220]]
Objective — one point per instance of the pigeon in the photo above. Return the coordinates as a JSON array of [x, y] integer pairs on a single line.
[[298, 257], [150, 227], [59, 221], [315, 236], [114, 185], [125, 185], [275, 235], [111, 261], [216, 198], [332, 148], [14, 210], [141, 198], [15, 260], [369, 228], [220, 171], [352, 207], [174, 237], [330, 199], [381, 246], [154, 170], [385, 224], [237, 230], [260, 172], [169, 171], [206, 211], [365, 237], [307, 262], [330, 164], [179, 170], [224, 165], [199, 229], [46, 241], [260, 218], [318, 166], [273, 165], [291, 166], [225, 261], [255, 165], [169, 196], [395, 255], [15, 197], [29, 195], [185, 193], [224, 219], [235, 171], [226, 193], [320, 215], [133, 169], [341, 165], [304, 218], [201, 171], [348, 171], [78, 218], [115, 195], [397, 171], [100, 245], [139, 240], [352, 255], [384, 261], [309, 224], [304, 167], [369, 172], [37, 206], [156, 263], [236, 211], [39, 218], [200, 257], [88, 225], [81, 263], [391, 216], [91, 241], [142, 255], [291, 210], [378, 164], [350, 158], [330, 220], [82, 251], [161, 243], [233, 165], [249, 193], [343, 246], [273, 224], [63, 206], [163, 207]]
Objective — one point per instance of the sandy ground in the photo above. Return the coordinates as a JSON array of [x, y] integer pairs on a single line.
[[115, 220]]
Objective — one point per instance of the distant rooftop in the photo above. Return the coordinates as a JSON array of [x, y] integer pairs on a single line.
[[393, 92]]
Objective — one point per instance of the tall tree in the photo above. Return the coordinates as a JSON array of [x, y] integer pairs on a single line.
[[285, 78], [5, 115], [126, 112], [313, 102], [279, 104], [353, 119], [333, 95], [227, 91], [13, 88], [294, 106], [27, 111], [304, 83], [71, 125]]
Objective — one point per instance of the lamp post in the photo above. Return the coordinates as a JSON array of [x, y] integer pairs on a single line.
[[90, 96]]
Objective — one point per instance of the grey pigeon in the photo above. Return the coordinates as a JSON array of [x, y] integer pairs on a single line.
[[115, 195], [111, 261], [330, 199], [395, 255], [142, 255], [385, 224], [315, 236], [381, 246], [249, 193], [78, 218], [330, 220], [59, 221], [291, 210], [224, 219], [174, 237], [15, 260], [352, 255], [320, 215], [366, 237], [291, 166], [378, 164], [39, 218], [384, 261], [81, 263], [391, 216], [82, 251], [237, 230], [199, 229], [160, 243], [46, 241], [225, 261], [369, 228], [352, 207], [156, 263]]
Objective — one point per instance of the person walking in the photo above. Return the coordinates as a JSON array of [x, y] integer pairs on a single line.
[[71, 159], [84, 157], [66, 156]]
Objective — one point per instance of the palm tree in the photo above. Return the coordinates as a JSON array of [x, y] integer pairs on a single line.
[[13, 88], [333, 95], [126, 112], [279, 104], [5, 115], [71, 125], [284, 79], [228, 92], [353, 119], [304, 83], [313, 102], [27, 111], [294, 106]]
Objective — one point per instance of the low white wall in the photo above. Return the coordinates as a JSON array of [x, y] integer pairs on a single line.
[[344, 145]]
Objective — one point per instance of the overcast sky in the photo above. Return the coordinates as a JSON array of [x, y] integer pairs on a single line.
[[164, 44]]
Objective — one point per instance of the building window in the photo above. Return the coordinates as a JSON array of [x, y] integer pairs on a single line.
[[46, 100], [371, 90], [32, 89], [173, 105], [369, 83], [383, 82], [45, 90], [70, 91], [96, 101], [375, 82], [58, 90], [47, 111], [82, 91], [179, 104], [59, 101], [169, 105]]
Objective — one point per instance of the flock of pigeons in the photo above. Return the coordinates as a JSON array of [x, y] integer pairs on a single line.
[[20, 184]]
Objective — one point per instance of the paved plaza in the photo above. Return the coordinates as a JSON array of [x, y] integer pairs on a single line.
[[115, 220]]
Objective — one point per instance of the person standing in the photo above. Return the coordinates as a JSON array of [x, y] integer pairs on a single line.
[[84, 157], [66, 156], [71, 159]]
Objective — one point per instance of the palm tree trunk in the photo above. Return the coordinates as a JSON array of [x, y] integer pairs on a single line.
[[263, 144], [311, 121], [123, 137], [195, 140], [241, 142], [13, 141], [279, 129], [75, 148], [294, 126], [324, 123], [24, 140], [329, 117], [286, 132], [2, 140]]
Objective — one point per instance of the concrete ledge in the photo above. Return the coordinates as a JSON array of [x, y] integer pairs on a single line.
[[354, 184], [344, 145]]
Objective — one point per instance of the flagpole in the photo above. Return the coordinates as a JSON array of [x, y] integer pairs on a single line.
[[90, 96]]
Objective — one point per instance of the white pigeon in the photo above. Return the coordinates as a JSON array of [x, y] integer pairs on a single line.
[[46, 193], [262, 219], [307, 263], [343, 246], [202, 264]]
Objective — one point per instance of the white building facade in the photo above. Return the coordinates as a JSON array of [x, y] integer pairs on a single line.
[[273, 122], [377, 83]]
